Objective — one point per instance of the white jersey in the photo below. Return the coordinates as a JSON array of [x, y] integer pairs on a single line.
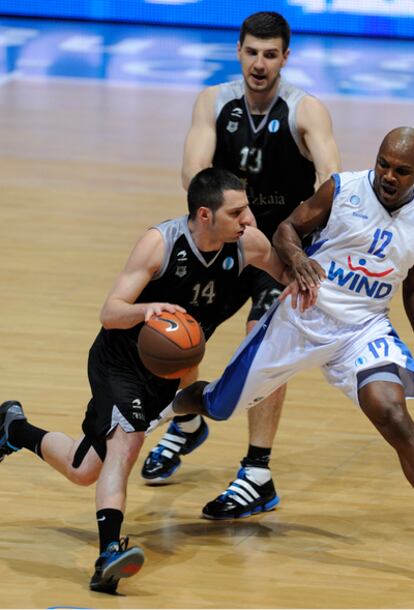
[[365, 250]]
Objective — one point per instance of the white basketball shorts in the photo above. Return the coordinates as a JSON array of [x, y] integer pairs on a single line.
[[285, 342]]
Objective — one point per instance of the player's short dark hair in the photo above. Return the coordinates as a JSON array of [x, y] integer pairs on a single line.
[[207, 188], [266, 24]]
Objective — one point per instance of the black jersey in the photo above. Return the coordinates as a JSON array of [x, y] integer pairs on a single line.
[[203, 286], [265, 151]]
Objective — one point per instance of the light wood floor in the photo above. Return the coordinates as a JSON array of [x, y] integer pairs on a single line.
[[83, 170]]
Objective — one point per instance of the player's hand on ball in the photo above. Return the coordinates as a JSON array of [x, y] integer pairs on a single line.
[[156, 309]]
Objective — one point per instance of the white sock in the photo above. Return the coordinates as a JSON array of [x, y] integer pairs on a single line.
[[189, 426], [258, 475], [166, 413], [164, 416]]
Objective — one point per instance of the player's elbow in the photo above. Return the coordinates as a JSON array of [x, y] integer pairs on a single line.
[[106, 319]]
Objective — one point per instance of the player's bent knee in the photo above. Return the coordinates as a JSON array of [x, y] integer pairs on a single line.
[[394, 422], [83, 478], [190, 399]]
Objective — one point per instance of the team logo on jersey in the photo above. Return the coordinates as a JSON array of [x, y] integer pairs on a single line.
[[182, 256], [181, 271], [137, 409], [232, 126], [273, 126], [354, 199], [237, 113], [355, 282], [361, 267], [228, 263], [360, 361]]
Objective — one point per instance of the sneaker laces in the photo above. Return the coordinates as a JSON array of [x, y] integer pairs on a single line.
[[118, 547]]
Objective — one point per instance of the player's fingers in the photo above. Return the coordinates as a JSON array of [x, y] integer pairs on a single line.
[[149, 313], [286, 292], [318, 272], [172, 308], [302, 280], [179, 308]]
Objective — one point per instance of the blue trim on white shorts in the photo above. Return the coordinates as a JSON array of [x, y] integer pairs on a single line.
[[220, 398], [404, 349]]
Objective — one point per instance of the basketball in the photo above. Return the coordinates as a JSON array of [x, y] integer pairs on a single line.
[[171, 344]]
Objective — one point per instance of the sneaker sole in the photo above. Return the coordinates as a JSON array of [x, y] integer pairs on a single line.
[[129, 564], [161, 479], [261, 508]]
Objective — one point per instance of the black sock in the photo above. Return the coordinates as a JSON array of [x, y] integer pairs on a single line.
[[257, 456], [183, 418], [22, 434], [109, 526]]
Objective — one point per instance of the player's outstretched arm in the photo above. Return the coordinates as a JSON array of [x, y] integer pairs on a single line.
[[260, 253], [306, 218]]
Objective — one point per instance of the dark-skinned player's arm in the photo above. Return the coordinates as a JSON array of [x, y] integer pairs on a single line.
[[306, 218], [259, 252]]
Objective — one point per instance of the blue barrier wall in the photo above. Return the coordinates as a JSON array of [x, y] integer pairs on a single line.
[[391, 18]]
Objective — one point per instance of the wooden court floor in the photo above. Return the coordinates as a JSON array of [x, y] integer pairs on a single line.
[[83, 170]]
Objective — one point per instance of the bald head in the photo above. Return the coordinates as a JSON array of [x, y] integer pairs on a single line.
[[399, 141], [394, 169]]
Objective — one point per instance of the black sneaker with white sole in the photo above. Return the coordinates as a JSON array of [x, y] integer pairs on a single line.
[[242, 498]]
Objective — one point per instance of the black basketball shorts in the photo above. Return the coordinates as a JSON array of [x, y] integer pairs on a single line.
[[124, 393]]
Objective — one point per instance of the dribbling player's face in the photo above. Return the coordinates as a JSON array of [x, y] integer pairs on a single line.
[[232, 217], [261, 61], [394, 176]]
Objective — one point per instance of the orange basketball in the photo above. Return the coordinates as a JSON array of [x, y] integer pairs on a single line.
[[171, 344]]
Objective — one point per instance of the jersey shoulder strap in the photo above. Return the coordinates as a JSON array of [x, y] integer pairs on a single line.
[[234, 90], [171, 231]]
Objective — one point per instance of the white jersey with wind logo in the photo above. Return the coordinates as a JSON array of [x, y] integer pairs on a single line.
[[365, 250]]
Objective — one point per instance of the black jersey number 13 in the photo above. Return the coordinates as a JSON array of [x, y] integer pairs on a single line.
[[251, 159]]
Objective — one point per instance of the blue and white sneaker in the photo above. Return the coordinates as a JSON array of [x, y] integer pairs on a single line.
[[10, 411], [164, 459], [242, 498], [115, 563]]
